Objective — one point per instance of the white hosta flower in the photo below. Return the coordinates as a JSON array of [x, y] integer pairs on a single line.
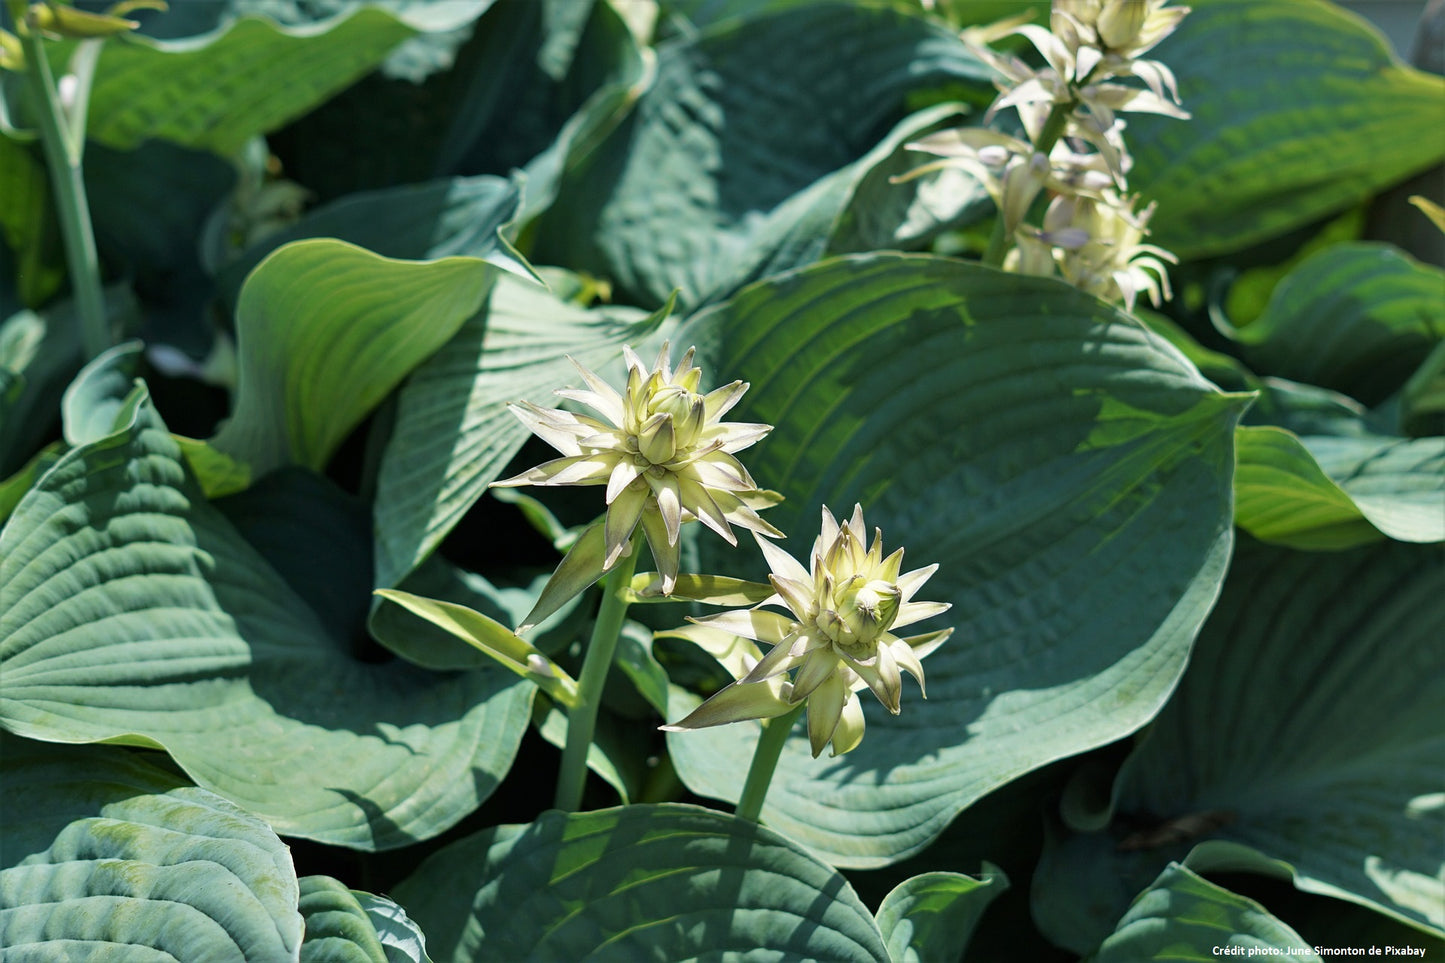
[[838, 633], [1089, 41], [663, 451], [1101, 250], [1012, 172]]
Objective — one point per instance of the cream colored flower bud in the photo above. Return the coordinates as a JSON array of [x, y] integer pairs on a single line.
[[837, 635], [663, 452], [686, 408], [866, 609], [1120, 21]]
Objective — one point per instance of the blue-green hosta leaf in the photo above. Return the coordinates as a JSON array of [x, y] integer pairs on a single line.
[[441, 27], [219, 90], [108, 856], [325, 330], [401, 939], [1398, 483], [1356, 318], [98, 396], [132, 611], [739, 159], [548, 80], [347, 926], [1046, 451], [1184, 917], [453, 431], [449, 217], [1304, 742], [1321, 492], [98, 401], [931, 917], [1290, 102], [639, 882]]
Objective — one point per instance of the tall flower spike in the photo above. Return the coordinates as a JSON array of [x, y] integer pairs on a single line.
[[663, 451], [838, 633]]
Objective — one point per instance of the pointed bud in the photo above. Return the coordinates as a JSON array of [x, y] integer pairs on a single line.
[[1120, 21], [656, 440], [62, 21]]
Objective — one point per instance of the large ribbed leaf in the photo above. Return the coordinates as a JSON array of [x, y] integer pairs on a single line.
[[666, 882], [108, 857], [1321, 492], [1305, 741], [1068, 470], [453, 431], [1183, 917], [448, 217], [931, 917], [325, 330], [347, 926], [219, 90], [131, 611], [739, 159], [1357, 318], [1291, 100]]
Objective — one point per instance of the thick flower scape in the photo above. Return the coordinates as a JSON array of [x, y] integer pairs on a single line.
[[837, 633], [663, 451]]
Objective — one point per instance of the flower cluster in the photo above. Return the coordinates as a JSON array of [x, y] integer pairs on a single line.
[[666, 459], [663, 452], [837, 633], [1073, 149]]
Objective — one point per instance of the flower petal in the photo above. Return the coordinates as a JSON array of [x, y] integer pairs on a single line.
[[622, 517], [624, 474], [739, 509], [825, 707], [911, 612], [592, 469], [734, 435], [718, 469], [923, 644], [735, 703], [556, 427], [758, 624], [664, 553], [796, 596], [909, 661], [607, 401], [698, 500], [911, 582], [818, 665], [783, 564], [720, 401], [669, 502], [782, 658], [850, 727]]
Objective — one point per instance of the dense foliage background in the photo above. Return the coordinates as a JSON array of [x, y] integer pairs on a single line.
[[1193, 696]]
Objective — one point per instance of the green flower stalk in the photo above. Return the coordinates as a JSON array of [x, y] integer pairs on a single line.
[[663, 451], [665, 456], [838, 633]]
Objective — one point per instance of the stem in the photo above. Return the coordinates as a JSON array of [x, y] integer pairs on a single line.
[[63, 154], [1054, 126], [765, 760], [1000, 241], [582, 718]]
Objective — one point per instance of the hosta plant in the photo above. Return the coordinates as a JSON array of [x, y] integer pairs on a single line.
[[436, 441]]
